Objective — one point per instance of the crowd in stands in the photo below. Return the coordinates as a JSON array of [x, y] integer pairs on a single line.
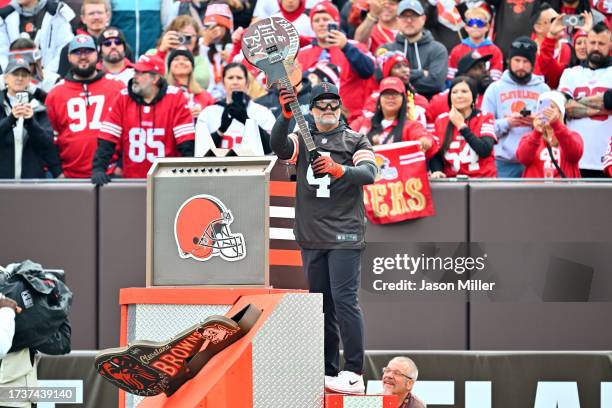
[[493, 88]]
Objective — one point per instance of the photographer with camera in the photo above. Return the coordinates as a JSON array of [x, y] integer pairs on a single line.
[[236, 120], [512, 100], [185, 32], [26, 137]]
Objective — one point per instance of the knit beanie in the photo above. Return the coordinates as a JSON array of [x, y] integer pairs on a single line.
[[180, 51], [523, 47]]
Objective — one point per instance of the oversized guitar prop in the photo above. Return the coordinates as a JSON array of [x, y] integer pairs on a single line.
[[272, 45], [148, 368]]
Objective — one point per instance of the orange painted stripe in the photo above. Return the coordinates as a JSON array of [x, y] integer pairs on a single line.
[[285, 257], [282, 188], [186, 295]]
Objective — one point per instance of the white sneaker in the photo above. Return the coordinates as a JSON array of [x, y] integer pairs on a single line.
[[328, 379], [346, 382]]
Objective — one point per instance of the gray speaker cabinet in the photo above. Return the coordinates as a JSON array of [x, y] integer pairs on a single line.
[[208, 221]]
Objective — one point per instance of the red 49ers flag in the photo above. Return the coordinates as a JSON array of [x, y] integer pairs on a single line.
[[401, 191]]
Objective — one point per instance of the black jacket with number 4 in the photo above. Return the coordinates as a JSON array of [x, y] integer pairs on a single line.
[[329, 212]]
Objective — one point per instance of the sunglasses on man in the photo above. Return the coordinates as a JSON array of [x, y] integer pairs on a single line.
[[112, 41]]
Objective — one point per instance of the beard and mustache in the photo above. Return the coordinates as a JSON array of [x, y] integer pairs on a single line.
[[597, 59], [84, 72]]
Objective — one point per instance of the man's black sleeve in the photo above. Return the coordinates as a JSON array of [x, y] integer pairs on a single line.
[[607, 98], [362, 174], [281, 145], [265, 140], [103, 155], [187, 148], [481, 145]]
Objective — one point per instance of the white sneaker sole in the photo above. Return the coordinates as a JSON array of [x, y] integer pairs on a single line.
[[346, 392]]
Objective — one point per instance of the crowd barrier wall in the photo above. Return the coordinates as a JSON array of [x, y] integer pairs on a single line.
[[98, 237], [463, 379]]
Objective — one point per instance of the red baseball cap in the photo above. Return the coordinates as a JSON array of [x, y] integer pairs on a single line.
[[150, 63], [325, 7], [390, 62], [392, 83]]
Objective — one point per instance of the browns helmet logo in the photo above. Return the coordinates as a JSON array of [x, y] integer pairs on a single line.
[[517, 106], [202, 230]]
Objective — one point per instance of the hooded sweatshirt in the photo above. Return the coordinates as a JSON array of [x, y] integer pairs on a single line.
[[426, 54], [505, 98], [76, 110]]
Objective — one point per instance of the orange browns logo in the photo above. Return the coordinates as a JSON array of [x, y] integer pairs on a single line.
[[202, 230]]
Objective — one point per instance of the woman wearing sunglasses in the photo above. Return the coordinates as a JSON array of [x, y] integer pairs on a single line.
[[466, 135], [390, 123], [477, 25]]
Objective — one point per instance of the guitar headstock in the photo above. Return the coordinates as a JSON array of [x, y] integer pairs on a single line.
[[271, 45]]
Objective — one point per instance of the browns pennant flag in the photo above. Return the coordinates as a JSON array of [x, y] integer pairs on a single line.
[[401, 190]]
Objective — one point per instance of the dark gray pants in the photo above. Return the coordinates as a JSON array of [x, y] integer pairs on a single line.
[[336, 273]]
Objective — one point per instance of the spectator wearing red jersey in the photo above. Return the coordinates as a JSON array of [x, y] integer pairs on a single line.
[[180, 74], [551, 150], [356, 64], [390, 123], [553, 55], [395, 64], [76, 107], [149, 119], [466, 136], [380, 25], [477, 25], [473, 66]]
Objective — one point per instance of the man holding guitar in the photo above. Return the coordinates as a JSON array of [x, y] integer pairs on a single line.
[[332, 166]]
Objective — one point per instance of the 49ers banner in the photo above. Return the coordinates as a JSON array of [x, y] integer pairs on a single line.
[[401, 191]]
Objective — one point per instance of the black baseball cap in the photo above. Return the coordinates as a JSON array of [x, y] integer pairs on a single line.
[[469, 60], [323, 90]]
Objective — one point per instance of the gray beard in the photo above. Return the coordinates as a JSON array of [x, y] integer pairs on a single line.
[[326, 121]]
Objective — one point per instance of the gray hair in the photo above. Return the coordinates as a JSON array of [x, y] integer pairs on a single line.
[[413, 371]]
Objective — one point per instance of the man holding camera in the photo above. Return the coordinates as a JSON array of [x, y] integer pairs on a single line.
[[355, 62], [26, 137], [149, 119], [330, 224], [512, 100]]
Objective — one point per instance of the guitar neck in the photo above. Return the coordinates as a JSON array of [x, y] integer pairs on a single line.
[[299, 117]]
